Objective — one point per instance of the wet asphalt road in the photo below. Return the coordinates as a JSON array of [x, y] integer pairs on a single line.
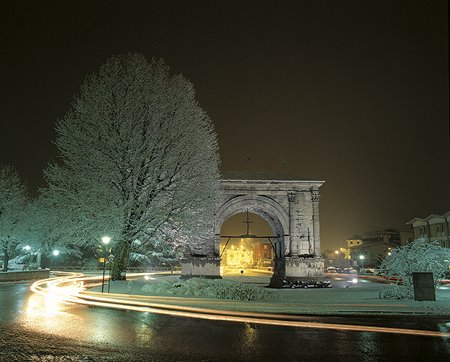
[[32, 329]]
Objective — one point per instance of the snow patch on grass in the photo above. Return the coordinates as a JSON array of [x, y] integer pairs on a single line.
[[395, 291], [212, 288]]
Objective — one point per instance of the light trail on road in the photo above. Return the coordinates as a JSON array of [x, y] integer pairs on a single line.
[[72, 288]]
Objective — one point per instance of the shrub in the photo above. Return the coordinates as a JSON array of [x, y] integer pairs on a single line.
[[395, 291], [213, 288], [420, 255]]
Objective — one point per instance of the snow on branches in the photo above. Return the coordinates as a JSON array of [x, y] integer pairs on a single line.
[[137, 154], [418, 256]]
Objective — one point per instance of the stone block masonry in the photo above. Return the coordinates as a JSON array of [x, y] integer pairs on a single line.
[[290, 207]]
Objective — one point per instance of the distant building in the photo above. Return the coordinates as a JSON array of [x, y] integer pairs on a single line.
[[370, 254], [370, 248], [406, 236], [248, 253], [263, 254], [351, 244], [433, 227], [387, 236], [238, 257]]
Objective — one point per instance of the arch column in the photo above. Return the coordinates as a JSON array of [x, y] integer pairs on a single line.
[[315, 219], [289, 241]]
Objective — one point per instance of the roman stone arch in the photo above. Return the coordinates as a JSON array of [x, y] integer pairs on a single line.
[[290, 207]]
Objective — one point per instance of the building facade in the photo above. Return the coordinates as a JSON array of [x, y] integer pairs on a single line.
[[434, 228], [369, 249]]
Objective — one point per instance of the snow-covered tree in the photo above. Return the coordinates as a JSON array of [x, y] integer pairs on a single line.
[[39, 232], [13, 201], [420, 255], [137, 155]]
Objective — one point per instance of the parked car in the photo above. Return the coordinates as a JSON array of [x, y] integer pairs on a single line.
[[350, 270]]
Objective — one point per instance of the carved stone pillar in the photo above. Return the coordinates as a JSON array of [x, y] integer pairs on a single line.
[[315, 220], [290, 248]]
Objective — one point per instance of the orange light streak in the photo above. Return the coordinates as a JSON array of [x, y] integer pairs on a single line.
[[71, 290]]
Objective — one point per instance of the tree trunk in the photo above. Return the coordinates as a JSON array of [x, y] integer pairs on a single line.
[[5, 259], [121, 261], [38, 259]]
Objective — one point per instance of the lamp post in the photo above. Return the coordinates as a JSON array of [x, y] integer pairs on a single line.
[[111, 260], [362, 257], [105, 240], [337, 260], [55, 254]]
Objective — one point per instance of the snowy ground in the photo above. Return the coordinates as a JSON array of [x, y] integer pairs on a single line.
[[344, 298], [18, 344]]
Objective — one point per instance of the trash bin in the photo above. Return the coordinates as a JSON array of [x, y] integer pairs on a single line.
[[423, 286]]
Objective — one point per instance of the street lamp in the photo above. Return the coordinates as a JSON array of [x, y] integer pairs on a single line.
[[105, 240], [338, 260], [362, 257]]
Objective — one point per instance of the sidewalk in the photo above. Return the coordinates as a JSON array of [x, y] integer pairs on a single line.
[[343, 298]]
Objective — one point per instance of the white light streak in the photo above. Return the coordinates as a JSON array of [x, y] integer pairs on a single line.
[[71, 289]]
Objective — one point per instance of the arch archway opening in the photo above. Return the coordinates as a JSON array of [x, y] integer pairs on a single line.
[[244, 245]]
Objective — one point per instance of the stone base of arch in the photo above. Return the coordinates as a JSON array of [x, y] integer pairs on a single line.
[[303, 268], [193, 266], [296, 268], [279, 273]]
